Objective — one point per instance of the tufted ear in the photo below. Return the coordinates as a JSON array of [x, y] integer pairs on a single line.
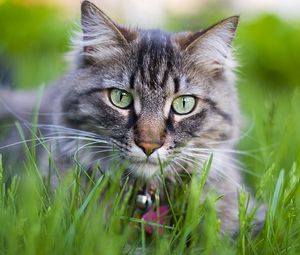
[[101, 37], [210, 49]]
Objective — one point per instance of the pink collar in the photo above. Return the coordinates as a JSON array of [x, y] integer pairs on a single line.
[[160, 215]]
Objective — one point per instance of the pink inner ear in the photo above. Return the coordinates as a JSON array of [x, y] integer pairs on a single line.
[[159, 216]]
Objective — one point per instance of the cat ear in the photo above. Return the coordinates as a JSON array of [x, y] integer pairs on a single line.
[[210, 49], [100, 35]]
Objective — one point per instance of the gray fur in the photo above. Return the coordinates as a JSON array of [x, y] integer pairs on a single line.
[[155, 67]]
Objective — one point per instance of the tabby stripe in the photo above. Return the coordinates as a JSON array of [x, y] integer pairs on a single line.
[[132, 118], [165, 78], [131, 81], [169, 122], [176, 85], [142, 52], [200, 116], [217, 110], [155, 53]]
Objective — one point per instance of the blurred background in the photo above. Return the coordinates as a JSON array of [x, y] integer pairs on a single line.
[[34, 37]]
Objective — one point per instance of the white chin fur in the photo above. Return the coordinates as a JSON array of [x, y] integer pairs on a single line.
[[145, 170], [144, 167]]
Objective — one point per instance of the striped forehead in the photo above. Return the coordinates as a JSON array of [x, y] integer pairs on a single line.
[[155, 62]]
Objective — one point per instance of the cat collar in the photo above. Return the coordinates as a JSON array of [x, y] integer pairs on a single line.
[[151, 213]]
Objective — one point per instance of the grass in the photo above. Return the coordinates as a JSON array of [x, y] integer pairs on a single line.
[[38, 47]]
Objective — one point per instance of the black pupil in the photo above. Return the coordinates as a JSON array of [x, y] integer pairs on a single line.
[[183, 102], [121, 95]]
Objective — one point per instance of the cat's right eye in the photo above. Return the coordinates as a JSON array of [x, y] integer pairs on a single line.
[[120, 98]]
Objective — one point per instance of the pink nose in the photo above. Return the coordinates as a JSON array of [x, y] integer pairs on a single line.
[[148, 148]]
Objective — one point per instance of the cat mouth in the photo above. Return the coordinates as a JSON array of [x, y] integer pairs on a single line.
[[147, 161], [145, 169]]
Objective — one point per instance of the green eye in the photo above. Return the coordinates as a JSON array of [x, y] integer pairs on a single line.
[[184, 104], [120, 98]]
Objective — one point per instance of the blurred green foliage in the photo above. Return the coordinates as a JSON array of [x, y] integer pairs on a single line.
[[269, 49], [33, 39]]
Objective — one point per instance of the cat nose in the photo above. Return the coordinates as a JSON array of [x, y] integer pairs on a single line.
[[149, 148]]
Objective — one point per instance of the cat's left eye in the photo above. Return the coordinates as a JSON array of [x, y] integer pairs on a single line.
[[120, 98], [184, 104]]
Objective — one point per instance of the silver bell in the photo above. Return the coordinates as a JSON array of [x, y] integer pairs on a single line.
[[143, 201]]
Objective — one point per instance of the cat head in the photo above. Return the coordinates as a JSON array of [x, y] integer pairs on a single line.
[[154, 96]]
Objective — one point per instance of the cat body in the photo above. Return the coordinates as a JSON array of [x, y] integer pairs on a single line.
[[149, 97]]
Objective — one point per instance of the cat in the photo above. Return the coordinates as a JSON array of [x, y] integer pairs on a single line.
[[146, 96]]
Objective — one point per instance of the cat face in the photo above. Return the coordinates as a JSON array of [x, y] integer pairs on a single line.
[[155, 97]]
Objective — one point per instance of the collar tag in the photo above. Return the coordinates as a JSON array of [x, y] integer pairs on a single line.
[[144, 201]]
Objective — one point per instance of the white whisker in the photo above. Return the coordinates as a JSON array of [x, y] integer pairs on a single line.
[[176, 173], [182, 167]]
